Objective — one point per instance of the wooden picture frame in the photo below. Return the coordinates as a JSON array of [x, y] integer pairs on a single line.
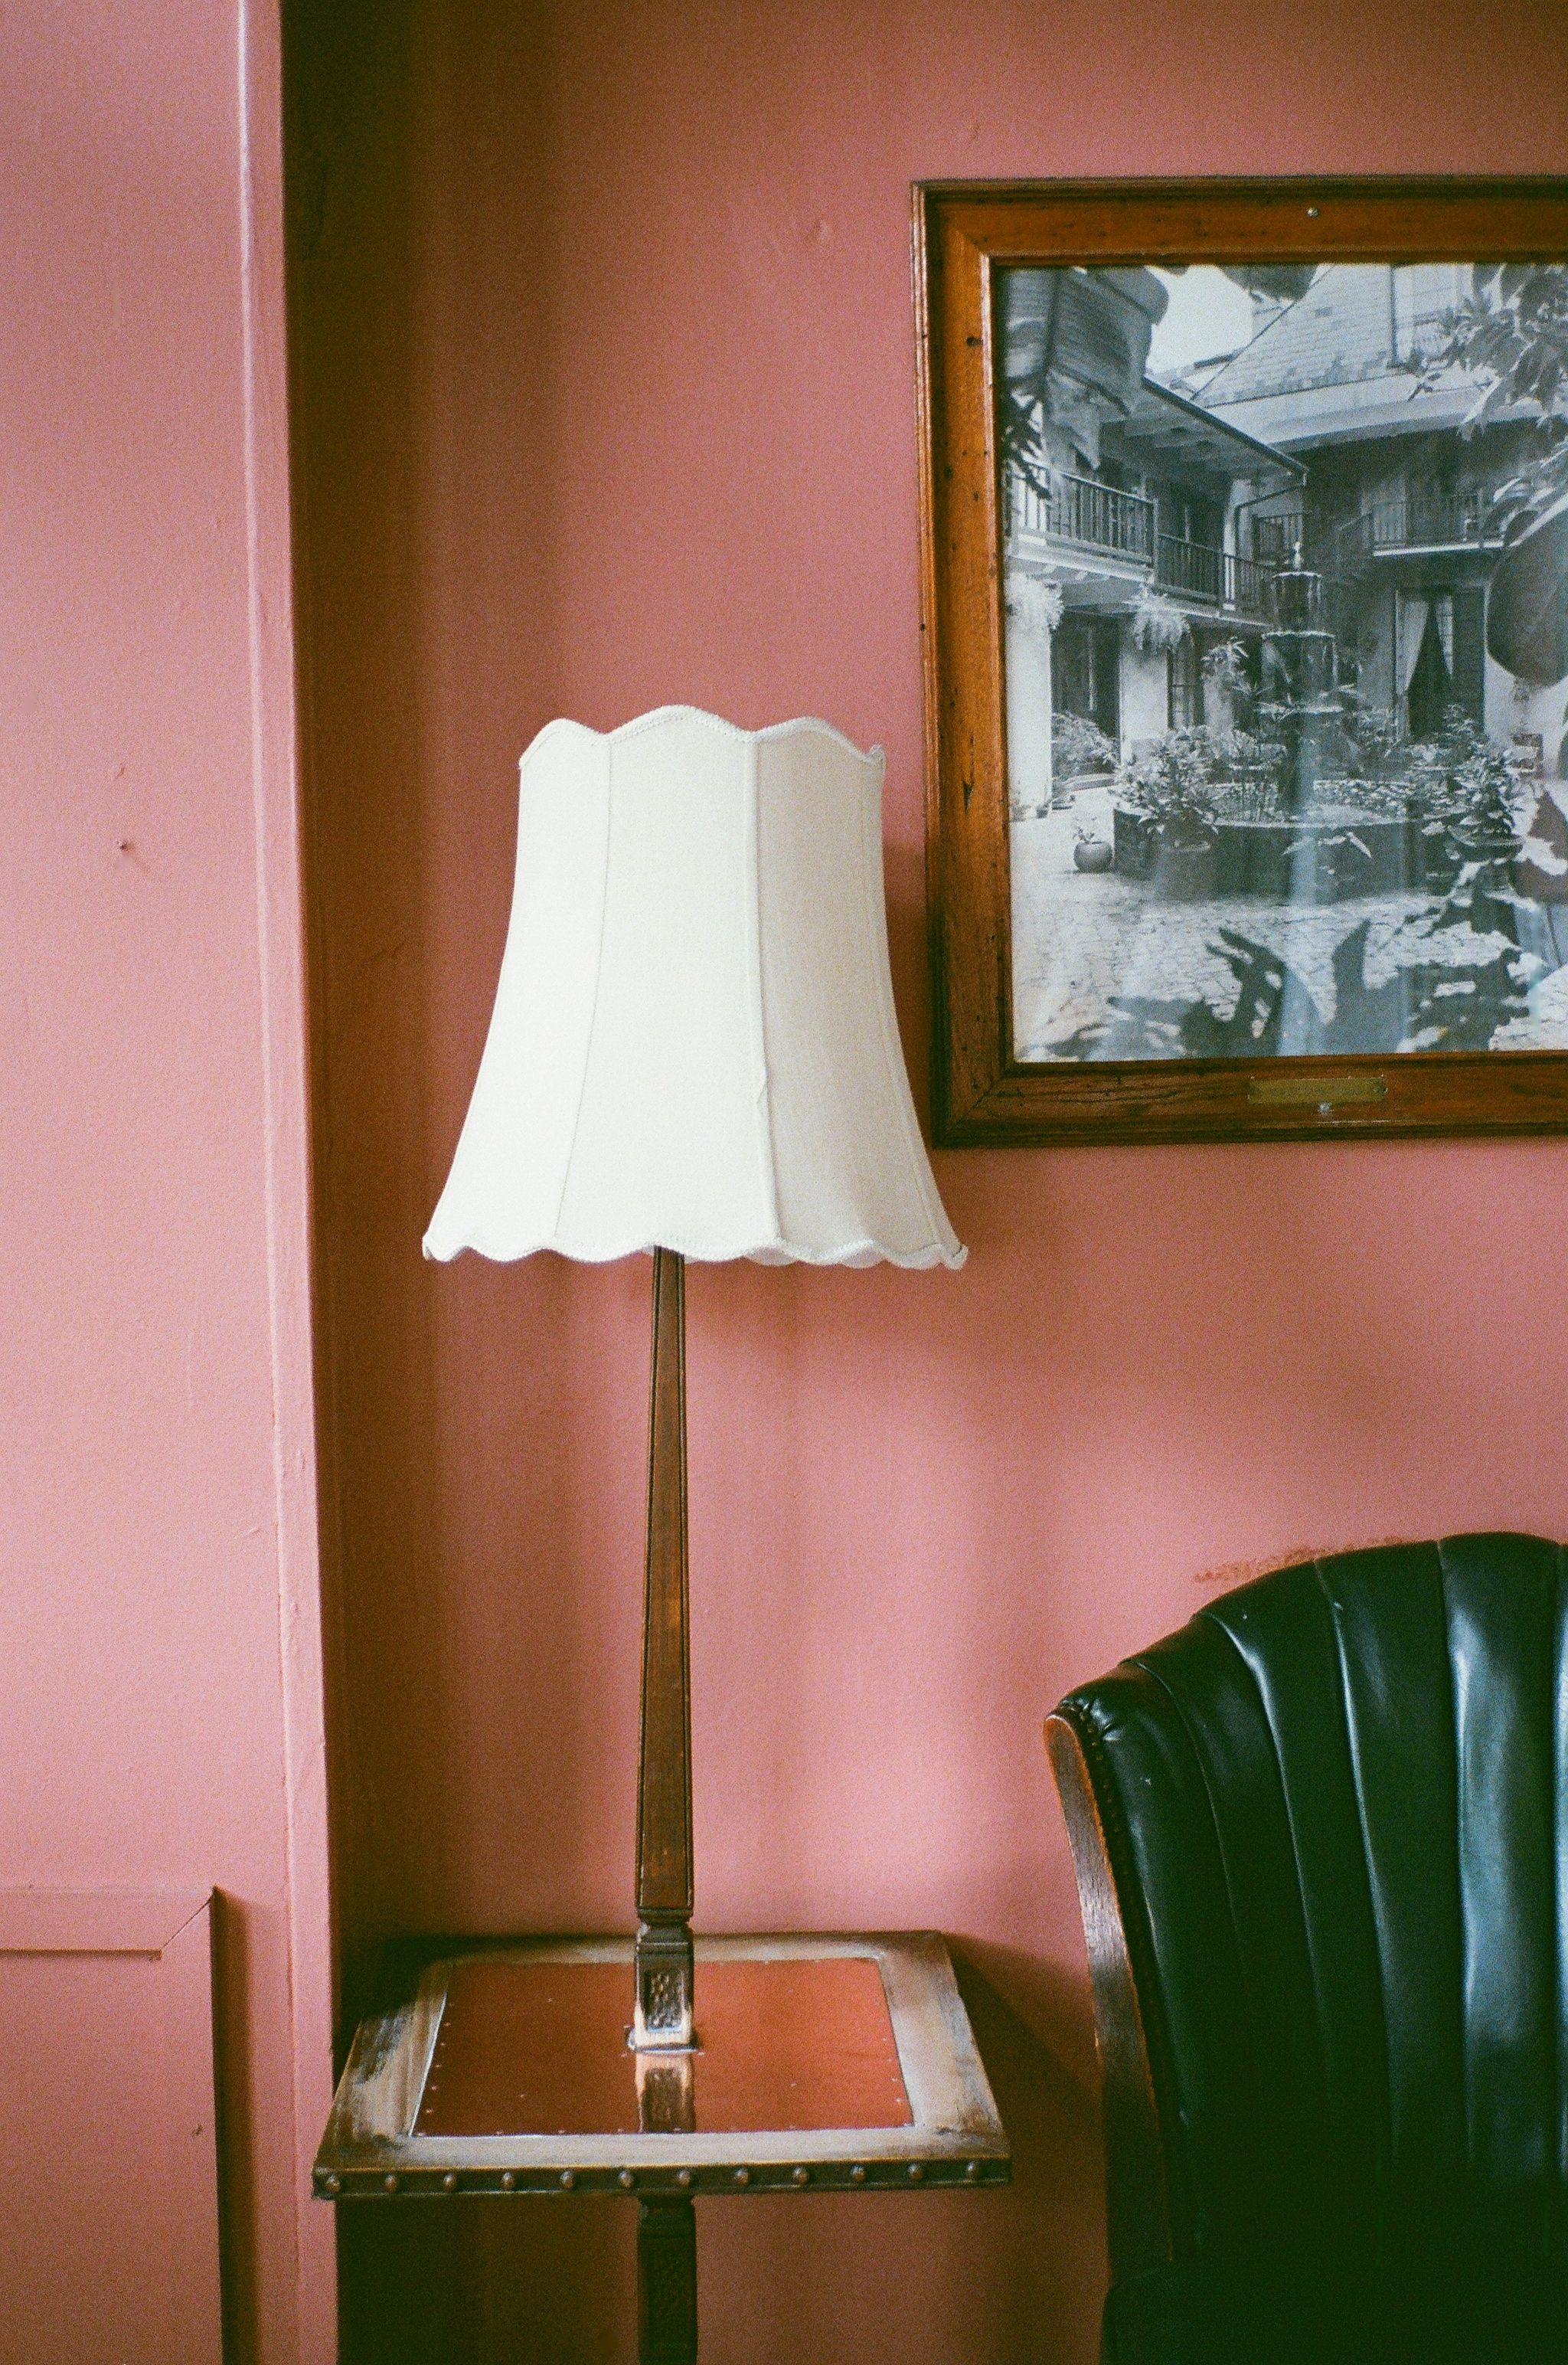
[[966, 237]]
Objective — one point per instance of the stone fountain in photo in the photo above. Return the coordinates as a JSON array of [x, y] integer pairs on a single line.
[[1301, 667], [1304, 852], [1310, 856]]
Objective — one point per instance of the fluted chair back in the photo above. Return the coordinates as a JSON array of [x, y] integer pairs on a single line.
[[1320, 1842]]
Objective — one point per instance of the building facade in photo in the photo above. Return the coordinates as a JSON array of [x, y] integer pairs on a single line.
[[1396, 504]]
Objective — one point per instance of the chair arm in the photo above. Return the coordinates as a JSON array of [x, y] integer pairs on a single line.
[[1137, 2197]]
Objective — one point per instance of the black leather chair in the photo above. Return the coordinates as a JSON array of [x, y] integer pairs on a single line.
[[1321, 1837]]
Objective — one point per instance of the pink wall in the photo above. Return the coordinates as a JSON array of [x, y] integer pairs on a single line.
[[606, 399], [157, 1727]]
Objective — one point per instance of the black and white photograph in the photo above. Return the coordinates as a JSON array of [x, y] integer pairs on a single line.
[[1284, 574]]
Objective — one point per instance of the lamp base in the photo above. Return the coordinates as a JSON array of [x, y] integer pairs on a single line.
[[662, 2011]]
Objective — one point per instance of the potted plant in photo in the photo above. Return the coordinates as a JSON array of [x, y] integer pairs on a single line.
[[1081, 756], [1166, 817], [1472, 798], [1230, 677], [1157, 622], [1092, 851]]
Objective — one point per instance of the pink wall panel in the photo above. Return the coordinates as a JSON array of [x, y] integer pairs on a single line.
[[108, 2155], [606, 380], [155, 1444]]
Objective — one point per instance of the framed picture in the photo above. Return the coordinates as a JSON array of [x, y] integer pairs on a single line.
[[1245, 541]]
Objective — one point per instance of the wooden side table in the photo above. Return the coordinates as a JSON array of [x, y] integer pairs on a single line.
[[823, 2064]]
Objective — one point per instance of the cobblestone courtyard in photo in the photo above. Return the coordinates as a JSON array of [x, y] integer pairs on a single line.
[[1081, 940]]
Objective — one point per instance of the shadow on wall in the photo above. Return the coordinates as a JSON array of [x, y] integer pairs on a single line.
[[359, 505], [830, 2278]]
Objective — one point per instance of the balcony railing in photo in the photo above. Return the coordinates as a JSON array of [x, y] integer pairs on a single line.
[[1092, 516], [1196, 570], [1428, 520], [1424, 518], [1124, 527]]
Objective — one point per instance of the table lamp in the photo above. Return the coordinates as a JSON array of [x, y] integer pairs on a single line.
[[693, 1052]]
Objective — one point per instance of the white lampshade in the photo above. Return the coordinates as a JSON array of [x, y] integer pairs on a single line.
[[693, 1045]]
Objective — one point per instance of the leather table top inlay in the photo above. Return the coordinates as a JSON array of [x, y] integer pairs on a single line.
[[539, 2048]]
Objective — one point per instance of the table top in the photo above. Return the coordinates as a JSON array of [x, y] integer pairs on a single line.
[[840, 2062]]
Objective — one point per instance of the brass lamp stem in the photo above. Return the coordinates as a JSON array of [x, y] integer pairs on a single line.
[[662, 2020]]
